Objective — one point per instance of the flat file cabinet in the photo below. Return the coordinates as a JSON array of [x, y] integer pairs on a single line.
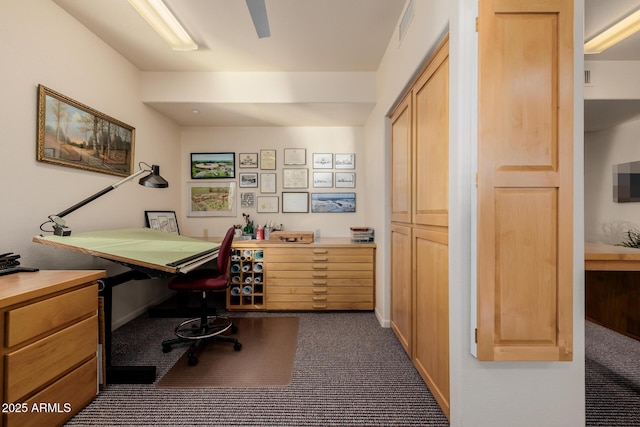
[[49, 324], [330, 274]]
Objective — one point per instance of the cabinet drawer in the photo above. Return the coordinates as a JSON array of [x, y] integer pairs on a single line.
[[25, 323], [318, 306], [333, 251], [43, 361], [76, 389], [320, 290], [346, 281], [319, 266], [322, 298], [302, 257], [318, 274]]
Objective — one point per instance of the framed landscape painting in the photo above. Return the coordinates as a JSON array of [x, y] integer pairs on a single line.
[[75, 135], [213, 165]]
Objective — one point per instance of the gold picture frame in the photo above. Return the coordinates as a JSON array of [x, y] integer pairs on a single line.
[[75, 135]]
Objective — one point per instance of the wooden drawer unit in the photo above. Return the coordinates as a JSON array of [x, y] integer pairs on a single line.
[[328, 274], [49, 325], [321, 278]]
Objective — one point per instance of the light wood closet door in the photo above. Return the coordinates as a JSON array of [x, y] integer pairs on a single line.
[[431, 143], [401, 162], [525, 180], [401, 288], [431, 320]]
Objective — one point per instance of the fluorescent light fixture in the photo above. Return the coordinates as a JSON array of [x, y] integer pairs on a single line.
[[156, 13], [614, 34]]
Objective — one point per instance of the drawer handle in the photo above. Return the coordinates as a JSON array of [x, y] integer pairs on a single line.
[[319, 258], [319, 251], [320, 298], [319, 290], [319, 306], [319, 266], [319, 282], [319, 274]]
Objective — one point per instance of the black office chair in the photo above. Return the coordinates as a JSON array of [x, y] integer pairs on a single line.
[[200, 330]]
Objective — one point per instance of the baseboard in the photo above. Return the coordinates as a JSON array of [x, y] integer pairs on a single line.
[[385, 323], [116, 323]]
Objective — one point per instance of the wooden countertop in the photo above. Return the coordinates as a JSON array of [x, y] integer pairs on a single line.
[[18, 287], [603, 257]]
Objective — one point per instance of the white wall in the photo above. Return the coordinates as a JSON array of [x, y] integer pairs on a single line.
[[42, 44], [252, 140], [605, 220]]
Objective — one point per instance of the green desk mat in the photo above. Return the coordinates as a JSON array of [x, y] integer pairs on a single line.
[[141, 244]]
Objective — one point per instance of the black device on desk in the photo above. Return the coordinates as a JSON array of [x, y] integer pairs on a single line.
[[9, 264]]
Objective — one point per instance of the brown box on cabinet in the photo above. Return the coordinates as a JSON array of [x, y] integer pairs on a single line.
[[292, 236]]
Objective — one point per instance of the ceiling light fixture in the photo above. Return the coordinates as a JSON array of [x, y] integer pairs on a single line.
[[619, 31], [156, 13]]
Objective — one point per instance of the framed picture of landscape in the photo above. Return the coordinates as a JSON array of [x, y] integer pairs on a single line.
[[211, 199], [75, 135], [213, 165]]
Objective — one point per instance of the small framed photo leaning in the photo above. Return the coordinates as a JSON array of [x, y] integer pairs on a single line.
[[75, 135], [162, 221], [213, 165]]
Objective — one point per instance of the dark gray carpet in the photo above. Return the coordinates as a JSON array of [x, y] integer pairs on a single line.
[[348, 371], [612, 366]]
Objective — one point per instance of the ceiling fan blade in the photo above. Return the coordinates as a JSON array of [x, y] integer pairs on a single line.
[[258, 12]]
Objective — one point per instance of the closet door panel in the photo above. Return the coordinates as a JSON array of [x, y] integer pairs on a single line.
[[401, 286], [401, 162]]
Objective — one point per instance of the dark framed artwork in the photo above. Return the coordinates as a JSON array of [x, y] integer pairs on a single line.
[[75, 135], [333, 202], [162, 220], [213, 165]]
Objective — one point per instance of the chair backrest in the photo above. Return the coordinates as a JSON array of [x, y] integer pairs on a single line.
[[224, 253]]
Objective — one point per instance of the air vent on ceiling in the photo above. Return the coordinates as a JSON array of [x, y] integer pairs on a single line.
[[406, 19]]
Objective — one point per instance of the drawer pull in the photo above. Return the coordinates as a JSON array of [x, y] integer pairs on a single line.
[[314, 274], [320, 251], [319, 258], [319, 282], [319, 306], [320, 298], [319, 266], [319, 290]]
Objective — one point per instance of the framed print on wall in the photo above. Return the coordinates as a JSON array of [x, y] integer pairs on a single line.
[[211, 199], [213, 165], [75, 135], [345, 179], [268, 182], [322, 161], [248, 180], [162, 220], [345, 161], [295, 178], [268, 204], [295, 156], [295, 202], [323, 179], [333, 202], [268, 159], [248, 160]]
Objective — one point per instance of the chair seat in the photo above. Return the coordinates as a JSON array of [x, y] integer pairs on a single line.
[[199, 280]]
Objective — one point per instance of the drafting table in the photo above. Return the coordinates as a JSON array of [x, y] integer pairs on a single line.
[[148, 254]]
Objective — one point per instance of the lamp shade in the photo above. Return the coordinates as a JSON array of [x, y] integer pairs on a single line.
[[154, 179]]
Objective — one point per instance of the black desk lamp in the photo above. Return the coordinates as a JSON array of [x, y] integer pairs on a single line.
[[153, 179]]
